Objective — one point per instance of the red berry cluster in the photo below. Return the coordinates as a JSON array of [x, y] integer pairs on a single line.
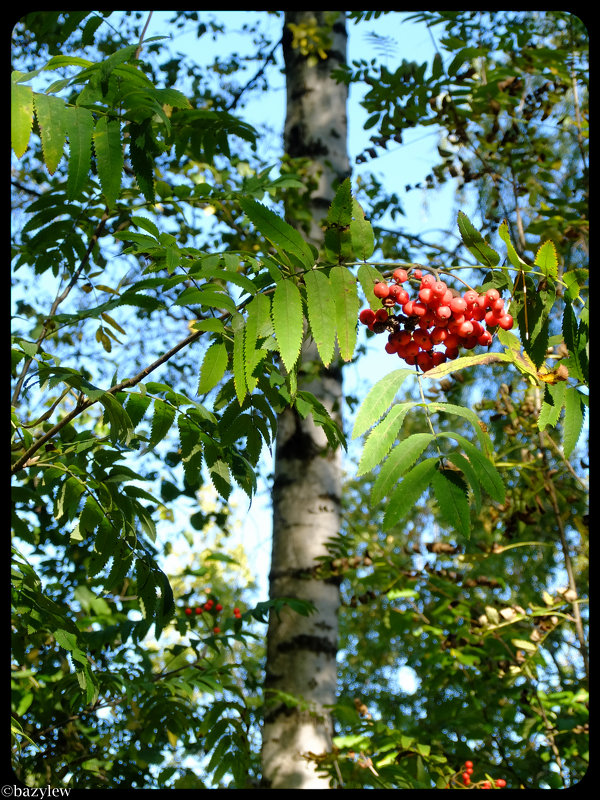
[[437, 316], [213, 608], [466, 779]]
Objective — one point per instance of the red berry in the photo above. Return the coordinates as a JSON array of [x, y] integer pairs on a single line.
[[465, 328], [400, 275], [501, 783], [451, 353], [466, 778], [417, 274], [426, 294], [470, 297], [485, 339], [236, 612], [486, 785], [468, 765], [457, 305], [216, 629], [198, 610], [188, 611], [497, 305], [423, 340], [218, 607], [438, 335], [506, 322], [412, 348], [381, 290], [439, 289], [381, 315], [438, 358], [443, 312], [424, 360], [427, 280], [491, 319], [367, 316]]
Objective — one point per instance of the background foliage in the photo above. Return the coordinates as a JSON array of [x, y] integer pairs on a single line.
[[159, 305]]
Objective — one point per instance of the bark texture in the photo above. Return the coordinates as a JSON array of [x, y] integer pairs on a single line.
[[301, 651]]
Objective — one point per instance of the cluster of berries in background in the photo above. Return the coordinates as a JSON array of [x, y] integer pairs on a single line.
[[437, 317], [211, 608], [465, 779]]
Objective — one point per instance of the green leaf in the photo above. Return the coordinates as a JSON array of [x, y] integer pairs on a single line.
[[164, 414], [402, 457], [475, 243], [469, 472], [554, 399], [381, 439], [368, 277], [52, 120], [451, 494], [80, 127], [514, 258], [258, 326], [547, 260], [347, 305], [361, 233], [136, 407], [378, 400], [484, 469], [109, 157], [464, 362], [239, 367], [288, 321], [213, 367], [21, 117], [320, 313], [281, 235], [121, 429], [573, 421], [337, 238], [470, 416], [408, 491]]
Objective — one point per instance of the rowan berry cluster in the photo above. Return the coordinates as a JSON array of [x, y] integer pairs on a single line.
[[438, 316], [467, 780], [212, 608]]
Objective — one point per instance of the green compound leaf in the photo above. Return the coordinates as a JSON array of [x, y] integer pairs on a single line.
[[378, 400], [52, 120], [320, 313], [288, 321], [109, 157], [21, 117], [451, 494], [346, 305], [213, 367], [80, 128], [475, 243], [408, 491], [381, 439], [402, 457]]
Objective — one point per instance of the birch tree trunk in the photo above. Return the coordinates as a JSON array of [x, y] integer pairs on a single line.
[[301, 651]]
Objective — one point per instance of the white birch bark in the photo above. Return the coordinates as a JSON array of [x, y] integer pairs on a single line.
[[301, 651]]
